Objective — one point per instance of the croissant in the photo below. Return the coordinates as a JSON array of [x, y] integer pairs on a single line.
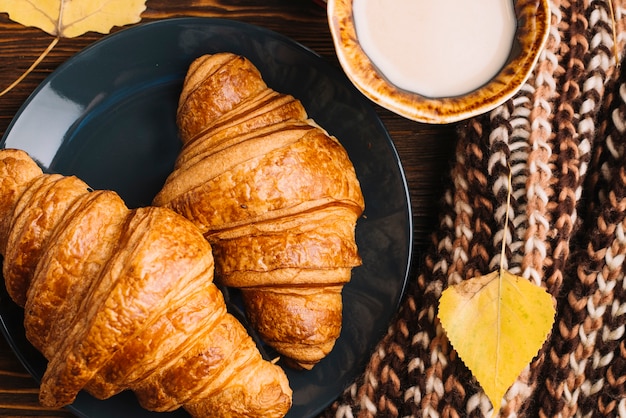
[[275, 195], [120, 299]]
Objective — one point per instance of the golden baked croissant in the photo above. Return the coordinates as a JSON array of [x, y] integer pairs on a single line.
[[121, 299], [277, 198]]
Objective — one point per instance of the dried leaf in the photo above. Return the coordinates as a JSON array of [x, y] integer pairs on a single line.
[[497, 323], [71, 18]]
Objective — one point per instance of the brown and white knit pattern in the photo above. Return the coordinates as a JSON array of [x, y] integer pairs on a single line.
[[567, 125], [587, 356]]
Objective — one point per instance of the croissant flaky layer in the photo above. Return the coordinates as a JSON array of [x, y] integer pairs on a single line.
[[275, 195], [121, 299]]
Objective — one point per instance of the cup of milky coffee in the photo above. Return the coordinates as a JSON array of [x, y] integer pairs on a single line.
[[438, 61]]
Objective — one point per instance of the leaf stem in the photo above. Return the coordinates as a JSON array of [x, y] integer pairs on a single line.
[[32, 67], [506, 222], [614, 30]]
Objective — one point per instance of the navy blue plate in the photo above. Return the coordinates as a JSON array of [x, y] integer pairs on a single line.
[[107, 115]]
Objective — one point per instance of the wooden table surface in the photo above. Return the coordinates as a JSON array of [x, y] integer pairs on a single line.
[[424, 150]]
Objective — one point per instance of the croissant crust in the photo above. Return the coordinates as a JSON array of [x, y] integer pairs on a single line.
[[275, 195], [121, 299]]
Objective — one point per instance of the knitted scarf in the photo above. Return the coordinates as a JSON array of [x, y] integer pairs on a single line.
[[562, 139]]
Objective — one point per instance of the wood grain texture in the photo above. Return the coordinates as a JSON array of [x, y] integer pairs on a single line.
[[424, 150]]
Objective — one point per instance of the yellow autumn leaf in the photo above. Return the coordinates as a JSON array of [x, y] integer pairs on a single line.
[[71, 18], [496, 323]]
